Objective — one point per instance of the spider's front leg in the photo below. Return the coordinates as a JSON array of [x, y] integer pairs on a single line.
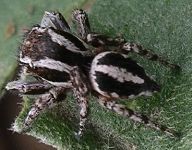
[[29, 87], [80, 91], [43, 102]]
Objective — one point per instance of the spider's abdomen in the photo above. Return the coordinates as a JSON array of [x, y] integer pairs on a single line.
[[116, 76]]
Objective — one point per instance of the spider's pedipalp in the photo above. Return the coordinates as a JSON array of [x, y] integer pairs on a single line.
[[55, 20], [81, 20]]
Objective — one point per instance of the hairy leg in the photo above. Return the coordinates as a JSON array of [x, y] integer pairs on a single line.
[[29, 88], [120, 45], [43, 102], [138, 49], [140, 118], [100, 40], [103, 42], [80, 91]]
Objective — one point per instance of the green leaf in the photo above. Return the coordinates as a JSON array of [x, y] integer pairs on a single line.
[[165, 26]]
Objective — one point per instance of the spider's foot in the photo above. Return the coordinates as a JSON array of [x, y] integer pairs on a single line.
[[177, 68], [25, 129], [14, 85], [78, 135], [176, 134]]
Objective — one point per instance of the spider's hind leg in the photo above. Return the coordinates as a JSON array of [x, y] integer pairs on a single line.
[[100, 40], [120, 45], [136, 117], [138, 49]]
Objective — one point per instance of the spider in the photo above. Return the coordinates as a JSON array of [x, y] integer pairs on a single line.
[[83, 62]]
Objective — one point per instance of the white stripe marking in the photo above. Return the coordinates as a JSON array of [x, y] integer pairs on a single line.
[[47, 63], [61, 40], [119, 73], [92, 74], [66, 85]]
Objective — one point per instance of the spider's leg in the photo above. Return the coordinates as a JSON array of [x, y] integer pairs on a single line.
[[100, 40], [43, 102], [80, 91], [55, 20], [80, 18], [136, 117], [29, 88], [132, 47], [35, 87]]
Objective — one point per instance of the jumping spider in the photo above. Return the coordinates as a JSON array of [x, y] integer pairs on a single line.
[[84, 62]]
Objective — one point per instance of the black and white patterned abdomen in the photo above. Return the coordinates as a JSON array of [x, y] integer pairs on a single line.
[[116, 76]]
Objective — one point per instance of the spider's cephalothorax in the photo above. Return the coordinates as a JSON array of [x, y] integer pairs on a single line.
[[62, 61]]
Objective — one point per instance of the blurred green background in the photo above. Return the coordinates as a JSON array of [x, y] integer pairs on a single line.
[[165, 26]]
